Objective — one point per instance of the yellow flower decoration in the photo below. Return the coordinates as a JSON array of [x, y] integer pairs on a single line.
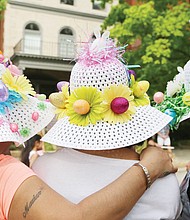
[[186, 98], [139, 91], [59, 100], [19, 84], [118, 104], [84, 106], [142, 101]]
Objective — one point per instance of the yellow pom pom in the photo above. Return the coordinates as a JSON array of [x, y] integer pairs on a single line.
[[81, 107]]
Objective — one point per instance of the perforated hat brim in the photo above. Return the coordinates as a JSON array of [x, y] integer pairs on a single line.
[[145, 123], [21, 114]]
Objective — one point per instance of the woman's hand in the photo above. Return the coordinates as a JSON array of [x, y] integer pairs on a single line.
[[157, 161]]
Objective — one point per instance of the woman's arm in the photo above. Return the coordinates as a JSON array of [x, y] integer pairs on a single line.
[[35, 200]]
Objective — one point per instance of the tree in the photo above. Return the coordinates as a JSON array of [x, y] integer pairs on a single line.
[[158, 34], [3, 5]]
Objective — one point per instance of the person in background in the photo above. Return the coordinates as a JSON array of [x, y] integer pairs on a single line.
[[33, 148], [185, 194], [188, 171], [175, 102], [163, 137]]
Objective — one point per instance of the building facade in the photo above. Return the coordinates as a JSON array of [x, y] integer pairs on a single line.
[[42, 36]]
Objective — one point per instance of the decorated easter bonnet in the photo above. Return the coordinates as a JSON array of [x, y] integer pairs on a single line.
[[103, 107], [21, 114], [176, 99]]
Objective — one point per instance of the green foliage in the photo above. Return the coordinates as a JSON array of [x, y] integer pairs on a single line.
[[158, 52], [163, 30], [3, 4], [116, 15]]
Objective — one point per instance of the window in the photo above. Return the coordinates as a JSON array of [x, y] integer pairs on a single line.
[[32, 26], [32, 39], [66, 31], [66, 43], [97, 5], [67, 2]]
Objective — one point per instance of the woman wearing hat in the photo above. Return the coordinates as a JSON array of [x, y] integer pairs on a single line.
[[176, 103], [102, 116], [22, 194]]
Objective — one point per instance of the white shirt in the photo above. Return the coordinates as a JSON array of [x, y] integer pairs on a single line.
[[76, 175], [32, 152]]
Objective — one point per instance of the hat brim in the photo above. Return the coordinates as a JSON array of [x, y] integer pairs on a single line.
[[21, 115], [145, 123], [185, 117]]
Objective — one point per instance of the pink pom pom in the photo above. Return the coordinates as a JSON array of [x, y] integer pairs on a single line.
[[158, 97], [14, 70], [14, 127], [119, 105], [35, 116]]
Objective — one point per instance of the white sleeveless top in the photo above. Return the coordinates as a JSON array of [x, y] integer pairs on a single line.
[[76, 175]]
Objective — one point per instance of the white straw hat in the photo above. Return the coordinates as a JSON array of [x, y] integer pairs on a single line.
[[105, 108], [21, 115]]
